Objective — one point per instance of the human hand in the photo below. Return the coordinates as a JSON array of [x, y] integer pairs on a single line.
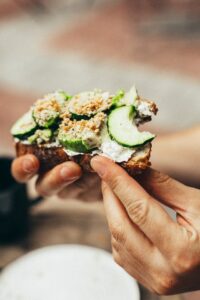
[[162, 254], [65, 180]]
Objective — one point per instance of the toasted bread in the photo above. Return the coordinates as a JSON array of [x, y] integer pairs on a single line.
[[60, 128], [50, 157]]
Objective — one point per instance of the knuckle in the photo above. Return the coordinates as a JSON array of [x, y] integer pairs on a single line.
[[118, 233], [116, 245], [116, 181], [183, 263], [165, 286], [161, 178], [138, 211]]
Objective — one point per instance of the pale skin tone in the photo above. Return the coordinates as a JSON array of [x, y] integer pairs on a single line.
[[162, 254]]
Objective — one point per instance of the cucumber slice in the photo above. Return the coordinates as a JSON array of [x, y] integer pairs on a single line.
[[65, 95], [76, 145], [24, 127], [116, 99], [122, 129], [41, 136], [128, 98], [46, 118], [87, 104], [81, 142]]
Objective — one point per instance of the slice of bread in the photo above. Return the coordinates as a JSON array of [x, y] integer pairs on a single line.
[[56, 130], [49, 157]]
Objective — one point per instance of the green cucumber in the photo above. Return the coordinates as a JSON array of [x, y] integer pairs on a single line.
[[41, 136], [126, 98], [122, 129], [116, 99], [78, 141], [78, 104], [24, 127], [65, 95], [46, 118], [76, 145]]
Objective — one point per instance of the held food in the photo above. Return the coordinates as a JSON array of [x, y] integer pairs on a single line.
[[60, 127]]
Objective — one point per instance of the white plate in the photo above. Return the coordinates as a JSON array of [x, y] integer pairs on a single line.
[[67, 272]]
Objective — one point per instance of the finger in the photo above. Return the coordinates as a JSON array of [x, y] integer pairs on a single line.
[[169, 191], [142, 209], [25, 167], [136, 254], [124, 233], [87, 189], [58, 178]]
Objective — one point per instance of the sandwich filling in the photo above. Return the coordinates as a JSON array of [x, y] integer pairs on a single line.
[[93, 122]]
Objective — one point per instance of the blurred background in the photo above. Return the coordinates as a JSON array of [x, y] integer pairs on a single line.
[[78, 45]]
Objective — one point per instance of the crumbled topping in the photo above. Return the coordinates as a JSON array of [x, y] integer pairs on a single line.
[[43, 104], [145, 110], [76, 127], [45, 110], [89, 103]]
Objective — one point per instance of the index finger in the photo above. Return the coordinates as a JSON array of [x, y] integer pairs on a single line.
[[143, 210], [25, 167]]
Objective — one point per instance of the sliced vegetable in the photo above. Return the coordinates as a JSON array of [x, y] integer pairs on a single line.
[[116, 99], [41, 136], [122, 129], [76, 145], [65, 95], [128, 98], [47, 111], [81, 142], [87, 104], [46, 119], [24, 127]]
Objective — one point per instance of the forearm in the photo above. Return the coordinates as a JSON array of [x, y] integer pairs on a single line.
[[178, 154]]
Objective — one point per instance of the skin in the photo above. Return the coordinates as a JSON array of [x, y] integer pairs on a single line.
[[65, 180], [169, 262], [177, 154]]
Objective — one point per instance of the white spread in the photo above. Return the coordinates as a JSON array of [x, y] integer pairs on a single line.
[[110, 149], [144, 109], [130, 97], [47, 145], [116, 152]]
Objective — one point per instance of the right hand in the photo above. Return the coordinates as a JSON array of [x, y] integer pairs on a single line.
[[161, 253], [65, 180]]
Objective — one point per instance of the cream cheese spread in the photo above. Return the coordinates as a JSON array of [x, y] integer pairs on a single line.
[[144, 109], [110, 149]]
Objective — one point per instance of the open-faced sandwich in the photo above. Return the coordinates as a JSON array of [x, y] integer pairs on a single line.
[[59, 127]]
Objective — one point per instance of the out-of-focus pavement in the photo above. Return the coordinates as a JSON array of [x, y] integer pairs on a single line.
[[78, 46]]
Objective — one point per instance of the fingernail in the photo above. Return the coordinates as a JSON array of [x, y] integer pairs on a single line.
[[66, 175], [98, 166], [28, 166]]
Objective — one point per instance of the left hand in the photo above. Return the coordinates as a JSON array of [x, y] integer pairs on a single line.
[[65, 180], [162, 254]]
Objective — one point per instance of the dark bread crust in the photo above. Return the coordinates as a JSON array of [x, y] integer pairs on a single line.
[[50, 157]]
